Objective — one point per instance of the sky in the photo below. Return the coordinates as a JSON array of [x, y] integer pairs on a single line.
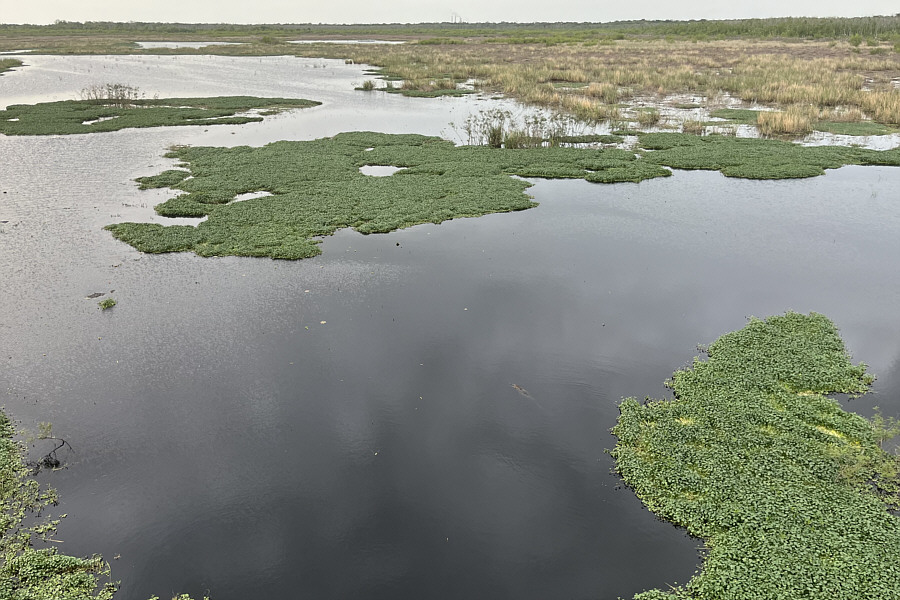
[[416, 11]]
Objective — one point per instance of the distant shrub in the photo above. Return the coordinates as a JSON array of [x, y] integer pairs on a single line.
[[119, 94]]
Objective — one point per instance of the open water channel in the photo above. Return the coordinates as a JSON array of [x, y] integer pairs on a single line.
[[422, 414]]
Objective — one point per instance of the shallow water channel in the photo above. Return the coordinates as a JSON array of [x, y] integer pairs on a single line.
[[418, 414]]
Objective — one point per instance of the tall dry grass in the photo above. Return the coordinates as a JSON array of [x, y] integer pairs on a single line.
[[793, 121], [775, 73]]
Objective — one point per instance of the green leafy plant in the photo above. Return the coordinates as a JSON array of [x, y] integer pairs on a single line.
[[316, 187], [27, 572], [790, 493], [106, 303]]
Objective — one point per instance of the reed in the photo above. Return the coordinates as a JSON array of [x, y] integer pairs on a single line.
[[794, 121]]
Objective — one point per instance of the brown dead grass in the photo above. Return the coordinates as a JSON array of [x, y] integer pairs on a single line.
[[822, 75]]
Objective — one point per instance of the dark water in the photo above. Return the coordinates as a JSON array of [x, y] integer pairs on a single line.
[[228, 441]]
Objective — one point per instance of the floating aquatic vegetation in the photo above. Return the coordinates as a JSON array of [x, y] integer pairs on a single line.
[[102, 114], [316, 188], [790, 493]]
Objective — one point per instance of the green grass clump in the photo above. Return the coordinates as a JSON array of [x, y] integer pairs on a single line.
[[26, 572], [91, 116], [756, 158], [317, 189], [8, 64], [790, 493], [106, 303]]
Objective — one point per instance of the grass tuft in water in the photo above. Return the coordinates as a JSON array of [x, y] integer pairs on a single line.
[[790, 493], [101, 114], [8, 64], [106, 303]]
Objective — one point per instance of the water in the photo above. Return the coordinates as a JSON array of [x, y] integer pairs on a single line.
[[173, 45], [348, 426]]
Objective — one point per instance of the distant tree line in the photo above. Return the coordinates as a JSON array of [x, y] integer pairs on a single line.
[[783, 27]]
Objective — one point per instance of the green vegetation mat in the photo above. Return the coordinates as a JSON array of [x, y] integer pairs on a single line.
[[92, 116], [27, 573], [855, 128], [756, 158], [316, 187], [747, 116], [790, 493]]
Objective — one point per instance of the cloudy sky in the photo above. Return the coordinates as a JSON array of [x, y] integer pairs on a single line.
[[412, 11]]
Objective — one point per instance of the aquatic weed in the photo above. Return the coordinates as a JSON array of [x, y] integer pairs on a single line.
[[790, 492]]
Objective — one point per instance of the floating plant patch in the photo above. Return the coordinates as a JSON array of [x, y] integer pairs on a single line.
[[92, 116], [790, 493], [317, 187]]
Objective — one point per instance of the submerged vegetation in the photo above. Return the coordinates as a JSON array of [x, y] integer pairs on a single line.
[[315, 187], [790, 493], [112, 113]]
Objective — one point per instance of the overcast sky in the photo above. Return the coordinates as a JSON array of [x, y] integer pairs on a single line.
[[414, 11]]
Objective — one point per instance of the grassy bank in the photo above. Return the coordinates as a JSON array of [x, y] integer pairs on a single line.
[[8, 64], [110, 114], [315, 188], [790, 493]]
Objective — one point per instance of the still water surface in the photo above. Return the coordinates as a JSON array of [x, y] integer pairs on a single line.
[[347, 426]]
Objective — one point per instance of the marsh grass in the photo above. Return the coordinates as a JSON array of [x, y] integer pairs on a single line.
[[794, 121], [693, 127], [8, 64], [647, 117], [789, 492], [580, 79], [112, 114], [566, 65]]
